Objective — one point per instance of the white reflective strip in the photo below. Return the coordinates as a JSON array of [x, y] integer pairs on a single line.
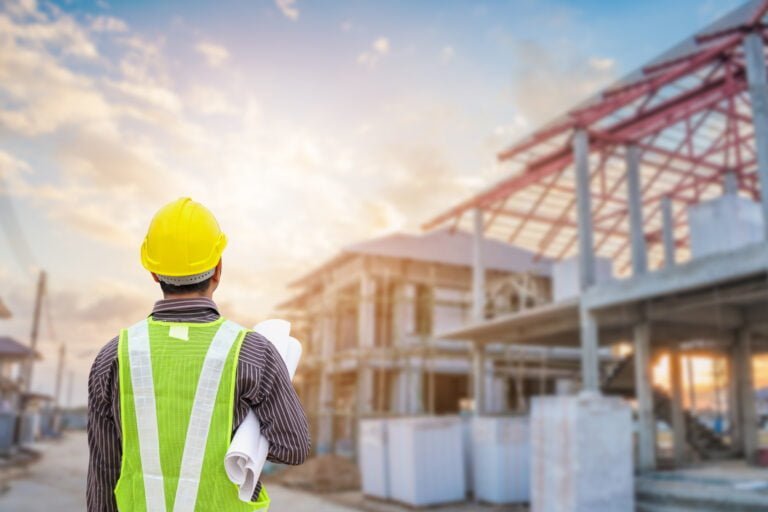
[[200, 419], [146, 415]]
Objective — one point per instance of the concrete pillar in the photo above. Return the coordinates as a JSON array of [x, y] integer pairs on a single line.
[[668, 231], [478, 378], [747, 394], [730, 184], [635, 202], [366, 334], [644, 390], [325, 403], [678, 413], [590, 363], [589, 329], [758, 93], [734, 410], [584, 204], [478, 269]]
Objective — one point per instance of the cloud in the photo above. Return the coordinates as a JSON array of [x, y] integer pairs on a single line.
[[602, 64], [215, 55], [62, 34], [288, 8], [447, 54], [108, 24], [379, 48], [381, 45], [541, 72], [210, 101]]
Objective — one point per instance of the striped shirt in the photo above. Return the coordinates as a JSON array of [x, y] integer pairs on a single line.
[[263, 385]]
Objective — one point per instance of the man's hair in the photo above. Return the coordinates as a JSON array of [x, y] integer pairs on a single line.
[[179, 289]]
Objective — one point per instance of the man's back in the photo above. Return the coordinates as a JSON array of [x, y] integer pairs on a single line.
[[262, 384]]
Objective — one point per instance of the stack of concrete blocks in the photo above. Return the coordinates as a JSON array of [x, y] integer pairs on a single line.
[[566, 280], [581, 454], [501, 455], [373, 458], [724, 224], [426, 461]]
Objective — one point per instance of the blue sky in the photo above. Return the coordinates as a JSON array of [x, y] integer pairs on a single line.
[[304, 124]]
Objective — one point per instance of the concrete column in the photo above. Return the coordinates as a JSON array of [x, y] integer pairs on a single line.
[[635, 202], [758, 93], [584, 204], [478, 378], [366, 333], [747, 394], [734, 411], [590, 363], [730, 184], [478, 269], [644, 389], [678, 413], [589, 329], [325, 402], [668, 231]]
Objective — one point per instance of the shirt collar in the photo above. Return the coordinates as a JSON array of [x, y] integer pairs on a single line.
[[184, 305]]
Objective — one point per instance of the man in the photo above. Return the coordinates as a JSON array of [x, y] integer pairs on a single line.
[[165, 396]]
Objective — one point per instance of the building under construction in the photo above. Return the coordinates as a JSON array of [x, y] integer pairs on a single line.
[[631, 228], [368, 319], [660, 175]]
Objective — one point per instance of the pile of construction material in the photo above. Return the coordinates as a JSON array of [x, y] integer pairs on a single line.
[[425, 461], [323, 474], [574, 454]]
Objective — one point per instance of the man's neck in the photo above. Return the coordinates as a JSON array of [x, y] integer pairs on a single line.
[[188, 296]]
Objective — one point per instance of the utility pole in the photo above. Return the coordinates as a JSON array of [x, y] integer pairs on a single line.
[[70, 387], [60, 374], [26, 382]]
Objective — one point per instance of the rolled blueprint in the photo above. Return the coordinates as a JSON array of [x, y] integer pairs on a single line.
[[248, 451]]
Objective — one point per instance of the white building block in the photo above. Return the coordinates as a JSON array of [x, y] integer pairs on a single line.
[[724, 224], [581, 454], [426, 463], [566, 277], [501, 454], [372, 458]]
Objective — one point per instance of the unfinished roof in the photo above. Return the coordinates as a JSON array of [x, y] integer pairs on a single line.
[[446, 246], [12, 349], [689, 113]]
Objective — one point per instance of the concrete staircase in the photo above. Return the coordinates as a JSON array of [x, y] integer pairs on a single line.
[[667, 492], [620, 380]]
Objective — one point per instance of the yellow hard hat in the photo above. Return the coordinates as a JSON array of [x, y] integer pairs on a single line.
[[184, 243]]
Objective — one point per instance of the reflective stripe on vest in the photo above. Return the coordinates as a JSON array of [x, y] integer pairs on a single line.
[[200, 420], [146, 415]]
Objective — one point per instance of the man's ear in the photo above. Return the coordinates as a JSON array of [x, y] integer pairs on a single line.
[[154, 276], [217, 272]]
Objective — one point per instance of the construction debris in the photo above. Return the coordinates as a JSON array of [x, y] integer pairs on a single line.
[[325, 473]]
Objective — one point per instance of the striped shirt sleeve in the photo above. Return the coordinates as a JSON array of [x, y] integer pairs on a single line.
[[103, 432], [265, 387]]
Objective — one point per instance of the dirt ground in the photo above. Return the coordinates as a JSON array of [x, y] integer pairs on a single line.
[[57, 482]]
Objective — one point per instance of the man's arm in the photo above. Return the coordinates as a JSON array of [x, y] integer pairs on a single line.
[[103, 435], [273, 399]]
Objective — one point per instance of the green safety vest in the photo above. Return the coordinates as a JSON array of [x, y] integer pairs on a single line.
[[177, 391]]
